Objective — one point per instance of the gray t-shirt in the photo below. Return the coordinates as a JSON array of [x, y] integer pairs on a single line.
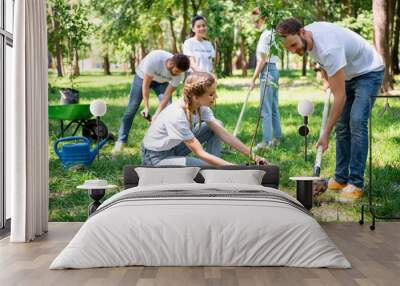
[[336, 47], [172, 127], [263, 46], [202, 51], [154, 64]]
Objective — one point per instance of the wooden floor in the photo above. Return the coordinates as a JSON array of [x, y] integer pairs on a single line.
[[375, 256]]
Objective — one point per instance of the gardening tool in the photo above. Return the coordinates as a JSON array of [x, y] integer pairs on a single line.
[[318, 159], [239, 121], [77, 153], [321, 185]]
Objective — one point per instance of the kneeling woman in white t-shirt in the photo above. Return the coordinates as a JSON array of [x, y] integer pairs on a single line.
[[183, 126]]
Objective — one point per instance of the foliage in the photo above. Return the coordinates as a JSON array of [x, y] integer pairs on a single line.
[[221, 17], [73, 27], [362, 24]]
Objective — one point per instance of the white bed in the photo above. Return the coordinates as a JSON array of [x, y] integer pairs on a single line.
[[201, 224]]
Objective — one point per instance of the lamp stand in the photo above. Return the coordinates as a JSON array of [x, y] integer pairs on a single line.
[[98, 137], [305, 138]]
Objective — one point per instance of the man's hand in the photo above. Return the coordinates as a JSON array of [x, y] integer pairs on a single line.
[[324, 142], [146, 114]]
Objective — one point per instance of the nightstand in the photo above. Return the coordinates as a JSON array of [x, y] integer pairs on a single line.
[[96, 191]]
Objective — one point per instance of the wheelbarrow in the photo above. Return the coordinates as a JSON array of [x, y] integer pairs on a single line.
[[79, 116]]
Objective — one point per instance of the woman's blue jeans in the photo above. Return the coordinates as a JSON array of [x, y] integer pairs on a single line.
[[269, 103], [352, 128], [177, 156], [135, 99]]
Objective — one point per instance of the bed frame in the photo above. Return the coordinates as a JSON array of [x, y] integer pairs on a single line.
[[270, 179]]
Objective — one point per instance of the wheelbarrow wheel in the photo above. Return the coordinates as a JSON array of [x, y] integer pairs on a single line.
[[89, 130]]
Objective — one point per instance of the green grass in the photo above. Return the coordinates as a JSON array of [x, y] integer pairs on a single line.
[[70, 204]]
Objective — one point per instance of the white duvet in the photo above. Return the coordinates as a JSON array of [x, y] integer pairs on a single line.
[[206, 230]]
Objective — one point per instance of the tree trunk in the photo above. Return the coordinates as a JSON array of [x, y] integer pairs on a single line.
[[195, 6], [59, 59], [217, 56], [142, 51], [228, 60], [49, 60], [132, 60], [106, 65], [171, 25], [76, 63], [243, 55], [382, 34], [287, 59], [304, 69], [346, 9], [282, 60], [137, 55], [161, 37], [396, 34], [185, 20], [319, 14]]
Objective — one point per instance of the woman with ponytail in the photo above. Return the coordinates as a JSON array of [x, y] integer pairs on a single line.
[[199, 50], [183, 126]]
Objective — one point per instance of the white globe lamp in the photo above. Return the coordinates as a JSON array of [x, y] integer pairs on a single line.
[[305, 108], [98, 108]]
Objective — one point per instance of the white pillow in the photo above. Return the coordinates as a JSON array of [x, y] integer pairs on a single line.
[[249, 177], [166, 176]]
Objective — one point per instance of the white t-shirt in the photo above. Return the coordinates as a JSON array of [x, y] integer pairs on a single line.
[[171, 127], [263, 46], [336, 47], [202, 51], [154, 64]]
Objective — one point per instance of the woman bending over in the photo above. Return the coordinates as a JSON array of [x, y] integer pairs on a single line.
[[183, 126]]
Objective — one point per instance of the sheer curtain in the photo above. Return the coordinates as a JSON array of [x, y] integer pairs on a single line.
[[27, 124]]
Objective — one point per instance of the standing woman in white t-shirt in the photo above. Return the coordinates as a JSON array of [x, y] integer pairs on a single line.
[[269, 80], [199, 50], [183, 126]]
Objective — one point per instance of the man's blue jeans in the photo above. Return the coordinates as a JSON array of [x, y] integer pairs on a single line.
[[135, 99], [269, 103], [352, 128], [177, 156]]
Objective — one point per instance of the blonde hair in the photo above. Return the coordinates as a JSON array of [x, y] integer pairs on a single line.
[[196, 84]]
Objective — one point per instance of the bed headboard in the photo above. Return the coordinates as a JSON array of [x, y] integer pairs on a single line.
[[270, 179]]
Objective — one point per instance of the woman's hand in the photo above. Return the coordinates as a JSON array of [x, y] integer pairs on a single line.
[[260, 160], [252, 84]]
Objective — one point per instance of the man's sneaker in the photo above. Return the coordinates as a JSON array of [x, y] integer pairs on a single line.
[[118, 147], [350, 193], [335, 185], [262, 146]]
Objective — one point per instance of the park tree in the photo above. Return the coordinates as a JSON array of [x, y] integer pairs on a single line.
[[57, 11], [383, 24], [70, 30], [396, 35]]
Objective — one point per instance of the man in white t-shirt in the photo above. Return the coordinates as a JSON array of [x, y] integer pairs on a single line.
[[160, 71], [267, 69], [354, 71]]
